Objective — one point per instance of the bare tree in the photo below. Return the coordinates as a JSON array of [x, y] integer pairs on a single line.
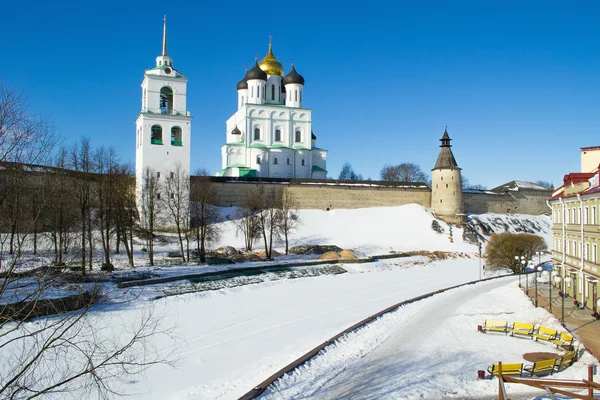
[[545, 184], [268, 213], [105, 166], [503, 247], [204, 215], [246, 221], [81, 162], [288, 218], [348, 174], [405, 172], [177, 198], [149, 207], [125, 208]]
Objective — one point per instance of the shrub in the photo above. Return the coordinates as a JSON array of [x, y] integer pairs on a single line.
[[502, 248]]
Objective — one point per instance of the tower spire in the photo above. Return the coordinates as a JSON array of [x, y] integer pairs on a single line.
[[164, 47]]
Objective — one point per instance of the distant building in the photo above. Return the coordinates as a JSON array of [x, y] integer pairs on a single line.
[[163, 126], [576, 230], [270, 135]]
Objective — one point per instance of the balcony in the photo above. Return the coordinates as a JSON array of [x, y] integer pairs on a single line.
[[156, 141]]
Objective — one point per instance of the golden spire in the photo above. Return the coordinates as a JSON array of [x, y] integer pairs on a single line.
[[269, 64]]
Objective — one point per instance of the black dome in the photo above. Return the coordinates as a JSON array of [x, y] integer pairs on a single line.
[[256, 73], [293, 77], [236, 131], [243, 84]]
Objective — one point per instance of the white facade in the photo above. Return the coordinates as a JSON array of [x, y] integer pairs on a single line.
[[163, 127], [270, 134]]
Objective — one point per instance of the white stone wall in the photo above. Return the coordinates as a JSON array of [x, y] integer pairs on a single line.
[[446, 192]]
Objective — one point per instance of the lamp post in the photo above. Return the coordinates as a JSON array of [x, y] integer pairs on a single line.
[[517, 258], [552, 277], [539, 269], [524, 264], [558, 280], [479, 245], [539, 254]]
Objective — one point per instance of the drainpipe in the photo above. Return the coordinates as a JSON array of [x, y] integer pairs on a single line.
[[581, 275]]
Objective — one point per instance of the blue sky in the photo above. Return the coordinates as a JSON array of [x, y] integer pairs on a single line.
[[516, 82]]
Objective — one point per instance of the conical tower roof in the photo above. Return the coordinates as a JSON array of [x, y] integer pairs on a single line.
[[445, 159]]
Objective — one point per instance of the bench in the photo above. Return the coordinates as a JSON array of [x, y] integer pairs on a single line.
[[521, 328], [566, 361], [563, 340], [545, 333], [507, 369], [495, 325], [541, 367]]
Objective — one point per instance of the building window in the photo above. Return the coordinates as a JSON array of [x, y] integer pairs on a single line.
[[446, 185], [272, 92], [156, 134], [594, 253], [158, 174], [593, 221], [442, 178], [176, 136], [172, 195], [275, 161], [298, 136], [303, 162], [288, 161], [278, 135], [258, 159], [258, 92], [158, 196], [295, 95], [440, 200], [588, 255], [256, 133], [172, 175]]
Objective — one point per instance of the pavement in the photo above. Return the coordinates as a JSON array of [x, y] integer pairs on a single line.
[[580, 322]]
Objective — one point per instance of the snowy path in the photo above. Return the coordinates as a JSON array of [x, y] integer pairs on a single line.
[[428, 349], [399, 364], [235, 338]]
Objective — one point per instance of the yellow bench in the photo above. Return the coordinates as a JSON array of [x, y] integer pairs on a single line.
[[567, 360], [545, 333], [507, 369], [495, 325], [563, 340], [521, 328], [541, 366]]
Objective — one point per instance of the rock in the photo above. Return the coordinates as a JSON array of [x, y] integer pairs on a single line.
[[227, 250], [314, 249], [435, 225]]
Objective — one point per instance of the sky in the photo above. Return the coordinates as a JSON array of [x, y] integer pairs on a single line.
[[517, 83]]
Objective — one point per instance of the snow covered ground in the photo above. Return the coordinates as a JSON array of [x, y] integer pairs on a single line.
[[226, 341]]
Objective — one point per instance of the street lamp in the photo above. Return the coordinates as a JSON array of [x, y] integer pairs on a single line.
[[524, 263], [517, 258], [558, 280], [539, 269], [539, 254]]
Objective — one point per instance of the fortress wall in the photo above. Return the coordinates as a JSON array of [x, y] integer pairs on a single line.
[[521, 202], [325, 195]]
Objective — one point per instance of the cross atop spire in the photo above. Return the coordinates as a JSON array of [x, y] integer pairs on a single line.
[[164, 47], [270, 39]]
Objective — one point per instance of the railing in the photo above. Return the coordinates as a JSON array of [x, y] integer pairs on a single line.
[[156, 141], [176, 143]]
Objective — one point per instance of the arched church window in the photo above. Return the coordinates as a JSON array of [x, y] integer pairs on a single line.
[[275, 161], [272, 92], [166, 100], [256, 133], [298, 136], [295, 95], [446, 185], [303, 162], [442, 178], [176, 139], [288, 161], [156, 137], [258, 159], [278, 135]]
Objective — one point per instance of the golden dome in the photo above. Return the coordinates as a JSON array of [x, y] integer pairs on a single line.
[[270, 65]]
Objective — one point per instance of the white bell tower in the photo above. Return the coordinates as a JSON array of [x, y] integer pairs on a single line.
[[163, 127]]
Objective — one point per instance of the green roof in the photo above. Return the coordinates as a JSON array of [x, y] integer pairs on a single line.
[[248, 172], [257, 146], [300, 147], [316, 168], [278, 146]]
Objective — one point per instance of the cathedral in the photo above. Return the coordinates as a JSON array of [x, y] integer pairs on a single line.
[[270, 135]]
